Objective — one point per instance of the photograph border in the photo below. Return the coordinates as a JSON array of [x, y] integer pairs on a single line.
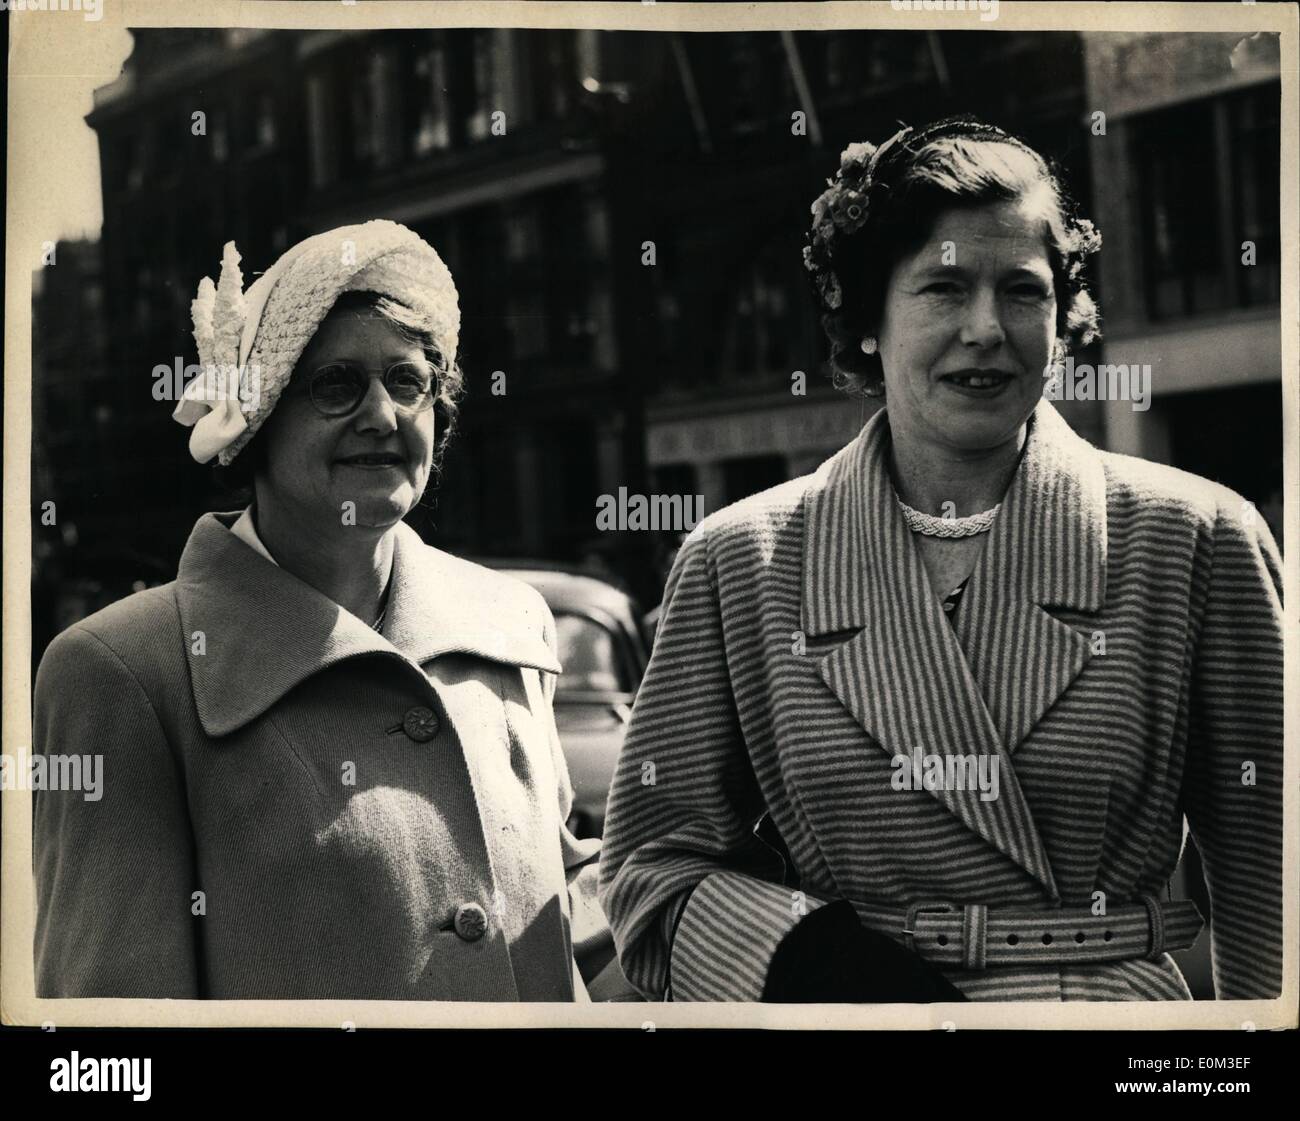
[[45, 45]]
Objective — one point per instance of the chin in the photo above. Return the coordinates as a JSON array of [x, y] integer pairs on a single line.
[[383, 511], [984, 430]]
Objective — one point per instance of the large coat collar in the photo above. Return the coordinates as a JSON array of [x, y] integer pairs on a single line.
[[914, 681], [265, 631]]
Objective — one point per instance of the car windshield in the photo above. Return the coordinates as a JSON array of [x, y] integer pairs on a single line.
[[589, 655]]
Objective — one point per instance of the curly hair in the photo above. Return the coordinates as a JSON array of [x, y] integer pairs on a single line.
[[883, 205], [238, 476]]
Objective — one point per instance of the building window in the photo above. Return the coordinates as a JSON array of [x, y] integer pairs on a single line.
[[599, 322], [264, 122], [1181, 227], [361, 114], [523, 234], [743, 477], [761, 84], [675, 478], [561, 72], [596, 214], [839, 62], [763, 323], [527, 325], [484, 85], [746, 82], [219, 136], [430, 105], [568, 449], [1254, 129], [383, 99], [372, 113], [1207, 174], [1209, 430], [321, 141], [135, 161]]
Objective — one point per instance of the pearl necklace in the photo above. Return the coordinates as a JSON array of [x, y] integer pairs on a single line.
[[931, 526]]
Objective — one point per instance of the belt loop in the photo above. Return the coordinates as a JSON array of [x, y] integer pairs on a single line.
[[974, 935], [1156, 920], [909, 926]]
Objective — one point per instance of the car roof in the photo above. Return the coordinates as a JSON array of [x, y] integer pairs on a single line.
[[565, 589]]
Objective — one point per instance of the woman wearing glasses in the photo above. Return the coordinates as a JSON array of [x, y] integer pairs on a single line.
[[330, 766]]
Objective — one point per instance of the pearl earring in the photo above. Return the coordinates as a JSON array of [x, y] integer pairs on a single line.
[[869, 345]]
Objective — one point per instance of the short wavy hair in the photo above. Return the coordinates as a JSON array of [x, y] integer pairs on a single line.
[[238, 476], [884, 204]]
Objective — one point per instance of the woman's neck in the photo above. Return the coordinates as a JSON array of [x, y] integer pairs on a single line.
[[928, 476], [349, 564]]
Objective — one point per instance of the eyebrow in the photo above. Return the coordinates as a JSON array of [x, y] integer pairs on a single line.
[[957, 270]]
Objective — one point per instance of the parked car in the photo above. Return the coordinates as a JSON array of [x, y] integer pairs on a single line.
[[604, 652]]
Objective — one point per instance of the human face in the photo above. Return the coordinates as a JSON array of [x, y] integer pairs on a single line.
[[992, 312], [312, 464]]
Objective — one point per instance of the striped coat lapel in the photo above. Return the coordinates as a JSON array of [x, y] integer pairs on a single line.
[[1046, 549], [909, 679]]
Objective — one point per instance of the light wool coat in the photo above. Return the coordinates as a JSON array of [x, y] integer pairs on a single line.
[[265, 748], [1118, 650]]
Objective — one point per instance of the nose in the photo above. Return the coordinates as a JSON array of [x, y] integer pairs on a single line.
[[982, 321], [376, 413]]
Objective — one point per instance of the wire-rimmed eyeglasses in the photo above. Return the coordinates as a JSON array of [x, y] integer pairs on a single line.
[[338, 388]]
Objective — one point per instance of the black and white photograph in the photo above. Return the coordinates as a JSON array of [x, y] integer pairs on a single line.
[[779, 512]]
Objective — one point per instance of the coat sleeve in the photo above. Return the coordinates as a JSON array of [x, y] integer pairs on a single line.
[[692, 894], [114, 873], [1234, 793]]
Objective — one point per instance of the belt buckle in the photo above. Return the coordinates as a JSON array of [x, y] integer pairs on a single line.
[[915, 909]]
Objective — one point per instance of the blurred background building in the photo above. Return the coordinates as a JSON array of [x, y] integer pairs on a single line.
[[670, 378], [1185, 179]]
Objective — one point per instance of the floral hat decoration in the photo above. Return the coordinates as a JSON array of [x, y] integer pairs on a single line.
[[842, 209], [250, 342]]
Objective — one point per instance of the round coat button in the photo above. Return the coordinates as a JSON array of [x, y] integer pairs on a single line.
[[471, 922], [421, 724]]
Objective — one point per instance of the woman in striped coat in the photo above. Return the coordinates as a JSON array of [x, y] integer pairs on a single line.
[[926, 724]]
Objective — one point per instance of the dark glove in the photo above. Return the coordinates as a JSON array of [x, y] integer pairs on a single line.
[[829, 957]]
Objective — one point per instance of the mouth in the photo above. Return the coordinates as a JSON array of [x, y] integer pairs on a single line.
[[978, 383], [372, 461]]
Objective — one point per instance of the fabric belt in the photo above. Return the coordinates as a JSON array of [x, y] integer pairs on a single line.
[[975, 936]]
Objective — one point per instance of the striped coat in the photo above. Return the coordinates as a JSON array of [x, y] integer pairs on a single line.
[[1118, 649]]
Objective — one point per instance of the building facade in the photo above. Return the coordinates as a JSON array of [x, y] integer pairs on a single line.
[[746, 400], [75, 570], [1186, 173], [623, 213]]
